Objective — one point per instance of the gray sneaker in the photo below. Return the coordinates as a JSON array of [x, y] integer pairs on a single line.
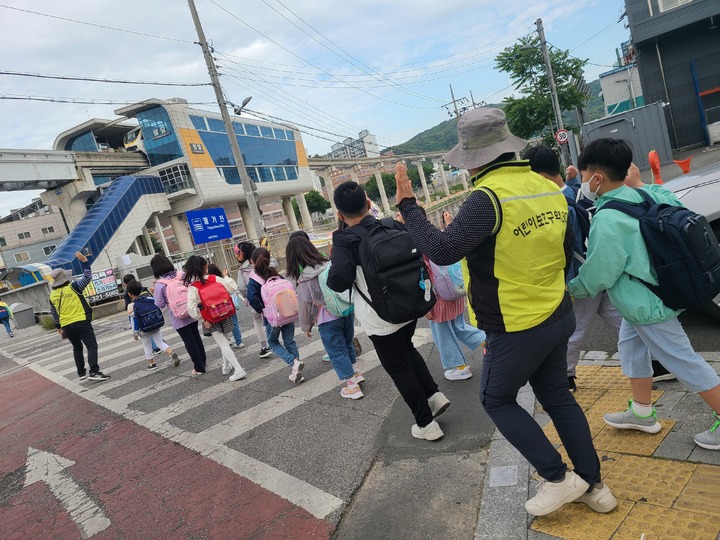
[[629, 420], [438, 403], [710, 439]]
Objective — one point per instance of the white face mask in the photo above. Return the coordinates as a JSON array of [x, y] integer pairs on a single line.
[[587, 192]]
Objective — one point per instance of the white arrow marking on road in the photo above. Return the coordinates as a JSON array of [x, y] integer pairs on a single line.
[[49, 468]]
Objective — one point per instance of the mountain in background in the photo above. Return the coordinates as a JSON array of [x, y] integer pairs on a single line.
[[443, 137]]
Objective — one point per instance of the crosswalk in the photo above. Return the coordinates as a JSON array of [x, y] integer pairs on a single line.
[[164, 400]]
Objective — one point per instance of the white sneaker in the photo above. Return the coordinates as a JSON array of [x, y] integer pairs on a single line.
[[552, 495], [431, 432], [438, 403], [357, 378], [456, 374], [351, 391], [239, 374], [238, 345], [296, 372], [600, 499]]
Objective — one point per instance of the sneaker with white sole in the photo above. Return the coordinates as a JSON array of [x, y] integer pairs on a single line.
[[552, 495], [239, 374], [431, 432], [351, 391], [660, 373], [296, 371], [456, 374], [599, 498], [710, 439], [629, 420], [175, 358], [152, 366], [98, 376], [240, 345], [326, 358], [357, 378], [83, 376], [264, 352], [438, 403]]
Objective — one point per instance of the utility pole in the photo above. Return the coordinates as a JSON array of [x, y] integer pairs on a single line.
[[553, 90], [256, 229], [452, 95]]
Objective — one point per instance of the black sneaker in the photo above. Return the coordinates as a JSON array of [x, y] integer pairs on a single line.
[[660, 373], [151, 366], [83, 376], [264, 352], [156, 351], [11, 334], [571, 383], [98, 376]]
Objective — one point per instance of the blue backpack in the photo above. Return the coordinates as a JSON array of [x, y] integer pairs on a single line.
[[4, 313], [338, 304], [683, 249], [148, 315]]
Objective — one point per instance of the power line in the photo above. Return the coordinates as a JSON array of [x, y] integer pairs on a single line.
[[67, 19], [81, 101], [95, 79]]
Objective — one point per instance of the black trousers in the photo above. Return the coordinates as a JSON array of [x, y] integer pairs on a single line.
[[193, 344], [408, 371], [79, 333], [540, 357]]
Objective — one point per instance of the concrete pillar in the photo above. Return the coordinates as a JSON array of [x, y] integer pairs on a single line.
[[182, 235], [136, 247], [304, 212], [441, 169], [248, 222], [290, 212], [464, 178], [330, 188], [148, 241], [383, 193], [423, 180], [161, 235]]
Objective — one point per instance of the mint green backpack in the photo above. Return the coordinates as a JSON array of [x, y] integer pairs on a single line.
[[338, 304]]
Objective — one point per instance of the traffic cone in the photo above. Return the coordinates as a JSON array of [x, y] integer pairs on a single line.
[[684, 164], [654, 161]]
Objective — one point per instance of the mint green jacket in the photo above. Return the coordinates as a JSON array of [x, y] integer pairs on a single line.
[[617, 254]]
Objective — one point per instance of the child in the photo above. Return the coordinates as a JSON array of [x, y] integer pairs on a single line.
[[243, 253], [196, 274], [304, 264], [289, 352], [137, 298], [5, 316], [127, 278], [237, 335], [617, 259]]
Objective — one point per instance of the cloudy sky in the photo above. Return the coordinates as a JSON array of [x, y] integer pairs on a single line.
[[330, 68]]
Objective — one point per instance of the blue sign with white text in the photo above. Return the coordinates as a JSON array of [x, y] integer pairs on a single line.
[[208, 225]]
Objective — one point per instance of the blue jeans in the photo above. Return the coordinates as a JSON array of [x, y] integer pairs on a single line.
[[6, 322], [289, 352], [337, 339], [236, 330], [448, 336]]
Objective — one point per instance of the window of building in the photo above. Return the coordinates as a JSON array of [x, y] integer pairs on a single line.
[[82, 143], [265, 174], [279, 133], [48, 230], [252, 130], [23, 235], [161, 143], [22, 256], [176, 178], [3, 242], [238, 128], [666, 5], [198, 122], [290, 135], [279, 173], [267, 132], [216, 125], [48, 249]]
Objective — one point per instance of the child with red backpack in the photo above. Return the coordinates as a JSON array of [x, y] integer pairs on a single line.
[[335, 320], [209, 298], [268, 293], [170, 292]]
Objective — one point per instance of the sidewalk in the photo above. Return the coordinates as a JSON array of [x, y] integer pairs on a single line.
[[667, 486]]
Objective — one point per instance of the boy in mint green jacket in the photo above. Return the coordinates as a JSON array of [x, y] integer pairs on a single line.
[[617, 260]]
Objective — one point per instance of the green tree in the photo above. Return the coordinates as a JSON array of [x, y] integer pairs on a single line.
[[532, 114], [315, 202]]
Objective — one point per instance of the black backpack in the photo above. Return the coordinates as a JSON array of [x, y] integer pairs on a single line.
[[148, 315], [683, 249], [398, 280]]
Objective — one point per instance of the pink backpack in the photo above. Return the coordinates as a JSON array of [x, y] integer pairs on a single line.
[[281, 301], [177, 297]]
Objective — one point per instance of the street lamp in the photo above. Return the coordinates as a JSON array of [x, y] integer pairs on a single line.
[[238, 110]]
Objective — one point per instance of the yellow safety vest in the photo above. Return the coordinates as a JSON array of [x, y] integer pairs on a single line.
[[71, 307], [515, 278]]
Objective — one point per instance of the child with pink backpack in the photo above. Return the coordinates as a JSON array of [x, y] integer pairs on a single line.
[[275, 297]]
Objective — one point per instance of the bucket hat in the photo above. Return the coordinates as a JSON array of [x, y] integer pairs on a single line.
[[60, 277]]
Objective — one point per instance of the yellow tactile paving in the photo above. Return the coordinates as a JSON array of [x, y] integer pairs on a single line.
[[605, 378], [659, 523], [653, 481], [586, 397], [577, 522], [702, 492], [630, 441], [607, 460], [596, 426], [584, 373]]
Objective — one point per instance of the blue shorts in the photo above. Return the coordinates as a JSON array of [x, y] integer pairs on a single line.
[[668, 343]]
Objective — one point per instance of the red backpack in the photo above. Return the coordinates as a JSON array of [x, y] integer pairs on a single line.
[[217, 305]]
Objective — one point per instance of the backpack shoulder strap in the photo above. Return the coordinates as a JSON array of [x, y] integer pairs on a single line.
[[636, 210]]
